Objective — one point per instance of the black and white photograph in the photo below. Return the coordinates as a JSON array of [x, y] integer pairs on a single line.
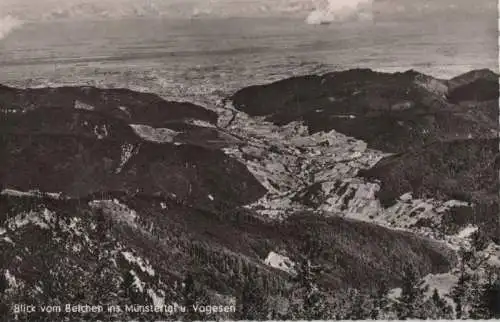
[[236, 160]]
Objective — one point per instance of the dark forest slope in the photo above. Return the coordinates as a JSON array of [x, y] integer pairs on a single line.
[[391, 112]]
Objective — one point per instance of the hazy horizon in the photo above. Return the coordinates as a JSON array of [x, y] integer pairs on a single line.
[[82, 9], [205, 47]]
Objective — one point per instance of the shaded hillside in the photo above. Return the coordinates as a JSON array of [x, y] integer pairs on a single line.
[[79, 166], [475, 86], [364, 252], [391, 112], [131, 106], [56, 248], [77, 122], [455, 169], [461, 169], [478, 91], [84, 140], [244, 234], [470, 77]]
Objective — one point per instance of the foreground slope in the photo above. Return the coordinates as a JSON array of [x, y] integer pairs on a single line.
[[84, 251]]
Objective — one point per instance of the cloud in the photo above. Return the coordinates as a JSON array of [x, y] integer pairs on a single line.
[[340, 10], [314, 10], [8, 24]]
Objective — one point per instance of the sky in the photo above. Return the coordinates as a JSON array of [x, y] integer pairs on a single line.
[[84, 9]]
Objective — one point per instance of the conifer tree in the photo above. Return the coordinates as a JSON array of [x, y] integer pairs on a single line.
[[479, 306], [193, 295], [492, 291], [442, 310], [484, 302], [459, 294], [4, 284], [409, 305], [313, 304], [381, 301], [470, 295], [360, 308], [130, 288], [253, 300], [479, 241], [494, 298], [127, 284]]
